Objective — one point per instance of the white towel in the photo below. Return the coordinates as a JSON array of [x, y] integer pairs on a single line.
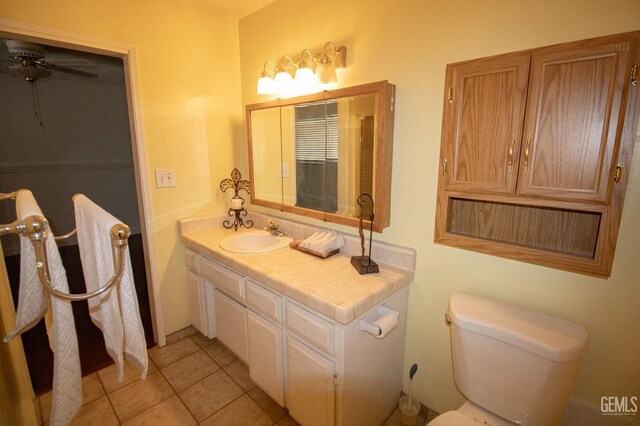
[[32, 304], [333, 243], [115, 312], [314, 238], [315, 246]]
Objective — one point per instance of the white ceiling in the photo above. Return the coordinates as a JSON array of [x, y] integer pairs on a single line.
[[233, 8]]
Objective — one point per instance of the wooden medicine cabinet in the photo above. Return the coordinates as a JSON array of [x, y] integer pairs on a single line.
[[534, 150], [314, 155]]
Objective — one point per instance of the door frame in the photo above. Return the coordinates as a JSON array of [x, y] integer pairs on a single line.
[[126, 52]]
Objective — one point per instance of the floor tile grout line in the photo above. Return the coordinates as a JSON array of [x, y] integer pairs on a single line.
[[180, 359], [222, 369], [222, 408], [120, 420], [147, 409], [113, 409], [177, 394], [192, 385], [245, 392], [254, 400]]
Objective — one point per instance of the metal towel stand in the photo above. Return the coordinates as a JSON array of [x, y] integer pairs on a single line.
[[35, 227]]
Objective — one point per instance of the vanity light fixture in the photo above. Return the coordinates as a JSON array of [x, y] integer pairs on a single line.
[[305, 75], [284, 78], [326, 70], [266, 84]]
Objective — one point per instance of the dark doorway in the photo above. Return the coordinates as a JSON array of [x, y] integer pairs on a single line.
[[64, 134]]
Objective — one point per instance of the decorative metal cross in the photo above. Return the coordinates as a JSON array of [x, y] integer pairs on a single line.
[[237, 184]]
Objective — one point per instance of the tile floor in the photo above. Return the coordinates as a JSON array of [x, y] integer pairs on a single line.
[[194, 381]]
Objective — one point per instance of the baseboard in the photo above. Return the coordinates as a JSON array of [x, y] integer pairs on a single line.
[[181, 334]]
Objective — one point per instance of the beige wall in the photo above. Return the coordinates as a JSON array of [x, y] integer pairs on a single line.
[[188, 72], [409, 43]]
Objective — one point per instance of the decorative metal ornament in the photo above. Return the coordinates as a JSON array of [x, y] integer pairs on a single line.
[[364, 264], [237, 184]]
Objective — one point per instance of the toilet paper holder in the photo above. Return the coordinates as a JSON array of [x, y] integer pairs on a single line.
[[387, 321]]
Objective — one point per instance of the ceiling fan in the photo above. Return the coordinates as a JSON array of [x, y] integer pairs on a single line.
[[28, 61]]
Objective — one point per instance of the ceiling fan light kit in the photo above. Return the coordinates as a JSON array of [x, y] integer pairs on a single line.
[[28, 61], [25, 49]]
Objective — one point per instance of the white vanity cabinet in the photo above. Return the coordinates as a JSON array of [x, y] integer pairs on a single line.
[[265, 335], [227, 305], [325, 372], [311, 371], [200, 298], [231, 319]]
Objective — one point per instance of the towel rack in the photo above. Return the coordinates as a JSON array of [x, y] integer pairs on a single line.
[[35, 227], [14, 194]]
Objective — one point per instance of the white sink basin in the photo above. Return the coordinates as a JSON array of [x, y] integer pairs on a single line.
[[254, 242]]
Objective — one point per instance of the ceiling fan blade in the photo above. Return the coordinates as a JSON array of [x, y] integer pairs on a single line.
[[51, 66]]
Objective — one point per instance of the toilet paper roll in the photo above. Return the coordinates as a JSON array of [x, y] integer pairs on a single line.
[[386, 323]]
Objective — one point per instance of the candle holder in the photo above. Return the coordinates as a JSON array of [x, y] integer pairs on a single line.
[[364, 264], [237, 202]]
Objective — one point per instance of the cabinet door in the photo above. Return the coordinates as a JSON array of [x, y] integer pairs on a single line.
[[482, 130], [209, 311], [310, 389], [197, 302], [231, 322], [575, 110], [265, 356]]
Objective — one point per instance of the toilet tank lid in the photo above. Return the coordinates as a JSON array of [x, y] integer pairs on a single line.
[[545, 335]]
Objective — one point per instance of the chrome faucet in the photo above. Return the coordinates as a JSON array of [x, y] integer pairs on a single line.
[[273, 228]]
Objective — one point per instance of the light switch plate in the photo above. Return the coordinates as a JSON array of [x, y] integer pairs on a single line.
[[165, 178]]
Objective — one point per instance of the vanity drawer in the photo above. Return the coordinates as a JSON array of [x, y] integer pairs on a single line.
[[191, 259], [231, 282], [264, 301], [310, 327]]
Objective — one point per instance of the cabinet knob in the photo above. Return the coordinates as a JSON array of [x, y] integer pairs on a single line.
[[513, 141], [617, 174], [526, 151]]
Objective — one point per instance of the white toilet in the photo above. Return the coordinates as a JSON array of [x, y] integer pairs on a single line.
[[514, 365]]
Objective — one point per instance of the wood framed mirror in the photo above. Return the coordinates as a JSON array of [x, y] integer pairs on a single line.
[[314, 155]]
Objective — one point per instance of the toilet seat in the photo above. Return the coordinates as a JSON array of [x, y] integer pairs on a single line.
[[452, 418]]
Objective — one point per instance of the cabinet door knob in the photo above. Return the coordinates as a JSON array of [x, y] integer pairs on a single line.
[[617, 174], [526, 151], [513, 141]]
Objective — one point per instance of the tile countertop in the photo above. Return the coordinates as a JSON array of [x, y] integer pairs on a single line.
[[329, 286]]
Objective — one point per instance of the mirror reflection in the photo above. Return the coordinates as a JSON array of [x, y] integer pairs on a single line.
[[316, 154]]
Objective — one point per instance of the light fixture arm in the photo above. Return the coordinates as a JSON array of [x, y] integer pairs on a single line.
[[287, 65], [337, 55], [307, 62], [271, 72]]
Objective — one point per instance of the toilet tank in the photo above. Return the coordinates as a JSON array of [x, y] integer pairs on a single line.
[[514, 362]]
